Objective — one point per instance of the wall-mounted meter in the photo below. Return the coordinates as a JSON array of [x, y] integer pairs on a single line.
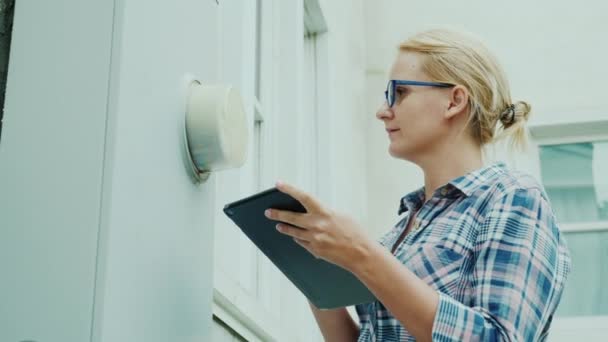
[[216, 129]]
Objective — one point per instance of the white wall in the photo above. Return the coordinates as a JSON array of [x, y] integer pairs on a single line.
[[553, 52], [346, 114]]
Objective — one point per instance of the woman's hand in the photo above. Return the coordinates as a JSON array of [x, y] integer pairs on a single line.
[[324, 233]]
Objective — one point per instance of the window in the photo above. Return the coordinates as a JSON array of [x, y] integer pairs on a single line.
[[279, 68], [575, 176], [245, 282]]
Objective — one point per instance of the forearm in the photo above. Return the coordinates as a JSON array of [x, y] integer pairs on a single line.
[[409, 299], [336, 324]]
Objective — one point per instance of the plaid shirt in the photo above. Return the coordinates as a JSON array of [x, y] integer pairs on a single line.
[[488, 243]]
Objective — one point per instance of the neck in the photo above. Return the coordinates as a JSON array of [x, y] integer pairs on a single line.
[[449, 162]]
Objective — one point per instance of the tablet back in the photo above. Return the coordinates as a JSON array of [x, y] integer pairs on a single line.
[[326, 285]]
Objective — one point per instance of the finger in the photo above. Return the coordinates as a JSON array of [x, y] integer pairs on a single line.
[[293, 218], [303, 243], [294, 232], [309, 202]]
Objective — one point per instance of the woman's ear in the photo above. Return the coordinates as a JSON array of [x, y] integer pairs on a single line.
[[458, 101]]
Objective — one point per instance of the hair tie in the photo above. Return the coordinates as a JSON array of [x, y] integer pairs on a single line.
[[508, 116]]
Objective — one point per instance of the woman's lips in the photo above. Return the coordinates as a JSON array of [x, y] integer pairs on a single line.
[[391, 131]]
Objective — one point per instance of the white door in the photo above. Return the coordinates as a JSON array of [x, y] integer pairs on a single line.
[[52, 168], [156, 245]]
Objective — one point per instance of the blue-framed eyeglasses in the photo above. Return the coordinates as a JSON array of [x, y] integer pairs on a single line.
[[392, 85]]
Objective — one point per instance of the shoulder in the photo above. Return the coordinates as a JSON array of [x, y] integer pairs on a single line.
[[506, 198], [506, 186], [513, 180], [513, 204]]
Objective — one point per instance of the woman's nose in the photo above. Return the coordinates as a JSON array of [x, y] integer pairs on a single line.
[[384, 112]]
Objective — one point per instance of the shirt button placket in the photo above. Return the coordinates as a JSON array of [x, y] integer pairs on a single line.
[[416, 225]]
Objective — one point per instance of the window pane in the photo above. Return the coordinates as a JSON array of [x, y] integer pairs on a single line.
[[586, 289], [576, 179]]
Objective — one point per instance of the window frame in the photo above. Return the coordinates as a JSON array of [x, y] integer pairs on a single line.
[[571, 133], [236, 297], [257, 311], [581, 132]]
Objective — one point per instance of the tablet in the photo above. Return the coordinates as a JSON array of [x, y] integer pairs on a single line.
[[326, 285]]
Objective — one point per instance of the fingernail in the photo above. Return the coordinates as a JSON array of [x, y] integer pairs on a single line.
[[267, 212], [279, 183], [279, 228]]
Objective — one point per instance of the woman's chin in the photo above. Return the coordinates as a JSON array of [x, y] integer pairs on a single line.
[[394, 151], [398, 152]]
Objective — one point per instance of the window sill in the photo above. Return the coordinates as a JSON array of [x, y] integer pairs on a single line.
[[243, 313]]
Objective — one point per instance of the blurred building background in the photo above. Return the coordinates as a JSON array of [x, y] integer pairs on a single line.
[[103, 236]]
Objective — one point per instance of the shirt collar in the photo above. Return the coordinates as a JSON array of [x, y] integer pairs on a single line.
[[470, 182], [411, 201], [466, 184]]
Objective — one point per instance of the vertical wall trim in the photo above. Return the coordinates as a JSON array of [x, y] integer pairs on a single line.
[[106, 174], [7, 10]]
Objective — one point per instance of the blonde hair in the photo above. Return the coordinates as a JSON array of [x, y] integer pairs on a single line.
[[458, 58]]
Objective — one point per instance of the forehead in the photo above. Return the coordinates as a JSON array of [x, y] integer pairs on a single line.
[[407, 66]]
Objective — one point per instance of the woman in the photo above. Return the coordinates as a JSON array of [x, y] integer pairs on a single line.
[[478, 254]]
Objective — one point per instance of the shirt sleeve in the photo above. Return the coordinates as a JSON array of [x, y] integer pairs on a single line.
[[520, 266]]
